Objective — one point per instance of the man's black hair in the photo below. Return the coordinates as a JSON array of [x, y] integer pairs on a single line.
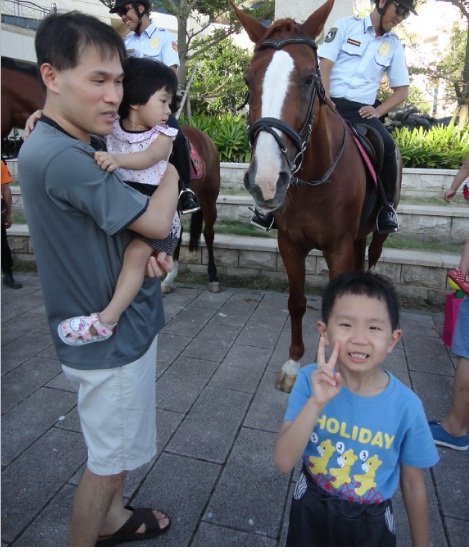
[[62, 37], [362, 284], [142, 78]]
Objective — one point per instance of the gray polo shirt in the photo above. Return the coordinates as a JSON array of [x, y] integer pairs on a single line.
[[77, 216]]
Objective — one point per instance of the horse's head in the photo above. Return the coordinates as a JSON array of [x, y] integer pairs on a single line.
[[284, 90]]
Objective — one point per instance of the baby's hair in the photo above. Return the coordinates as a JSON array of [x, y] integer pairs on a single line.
[[142, 78], [361, 284]]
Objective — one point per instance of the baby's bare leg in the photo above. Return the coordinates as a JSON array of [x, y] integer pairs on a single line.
[[130, 280]]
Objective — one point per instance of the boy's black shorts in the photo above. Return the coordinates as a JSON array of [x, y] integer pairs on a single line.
[[320, 519]]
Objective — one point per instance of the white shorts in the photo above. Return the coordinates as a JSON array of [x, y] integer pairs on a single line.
[[117, 409]]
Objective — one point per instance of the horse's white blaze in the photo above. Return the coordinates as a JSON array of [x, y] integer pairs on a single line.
[[274, 91]]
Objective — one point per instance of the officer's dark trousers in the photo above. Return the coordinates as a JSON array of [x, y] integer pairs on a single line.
[[349, 110], [7, 260], [180, 156]]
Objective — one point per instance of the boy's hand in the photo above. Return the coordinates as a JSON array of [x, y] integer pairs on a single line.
[[325, 381], [106, 161]]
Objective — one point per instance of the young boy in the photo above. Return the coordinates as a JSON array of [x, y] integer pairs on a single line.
[[357, 428]]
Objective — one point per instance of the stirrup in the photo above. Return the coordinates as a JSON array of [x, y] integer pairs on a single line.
[[392, 219]]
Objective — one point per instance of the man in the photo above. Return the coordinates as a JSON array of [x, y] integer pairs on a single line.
[[7, 259], [78, 216], [355, 55], [148, 40]]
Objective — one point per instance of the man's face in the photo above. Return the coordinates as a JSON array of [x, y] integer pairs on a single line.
[[86, 98], [129, 15], [395, 13]]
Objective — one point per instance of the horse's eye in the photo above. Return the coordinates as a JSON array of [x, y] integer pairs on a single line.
[[309, 79]]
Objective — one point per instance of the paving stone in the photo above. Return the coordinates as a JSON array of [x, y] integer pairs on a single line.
[[435, 391], [209, 300], [452, 488], [21, 350], [51, 527], [250, 493], [181, 486], [189, 322], [238, 308], [25, 423], [213, 342], [427, 354], [241, 369], [211, 426], [182, 383], [458, 531], [211, 535], [33, 479], [169, 348], [24, 325], [26, 379]]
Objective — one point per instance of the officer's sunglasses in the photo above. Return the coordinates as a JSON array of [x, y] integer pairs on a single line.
[[400, 10], [123, 11]]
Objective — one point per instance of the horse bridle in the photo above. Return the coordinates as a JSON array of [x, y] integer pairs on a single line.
[[270, 124]]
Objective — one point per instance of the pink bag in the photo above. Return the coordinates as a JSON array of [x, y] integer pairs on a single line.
[[452, 303]]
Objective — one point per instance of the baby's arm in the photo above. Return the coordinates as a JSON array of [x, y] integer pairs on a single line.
[[157, 151], [415, 501]]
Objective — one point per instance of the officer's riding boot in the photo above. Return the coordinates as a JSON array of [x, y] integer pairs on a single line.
[[188, 202], [387, 221], [263, 221]]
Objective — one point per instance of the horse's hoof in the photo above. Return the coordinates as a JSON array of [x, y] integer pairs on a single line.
[[284, 382], [166, 288], [214, 287]]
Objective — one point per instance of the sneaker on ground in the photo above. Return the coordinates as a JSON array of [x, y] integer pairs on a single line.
[[444, 438]]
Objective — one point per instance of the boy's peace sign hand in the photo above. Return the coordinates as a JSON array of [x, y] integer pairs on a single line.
[[326, 382]]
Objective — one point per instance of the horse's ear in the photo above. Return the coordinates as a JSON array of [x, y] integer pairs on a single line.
[[254, 29], [314, 25]]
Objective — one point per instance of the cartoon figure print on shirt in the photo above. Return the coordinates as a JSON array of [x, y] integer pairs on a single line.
[[353, 479]]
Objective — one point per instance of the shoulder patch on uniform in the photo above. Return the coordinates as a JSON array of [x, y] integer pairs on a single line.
[[174, 45], [331, 34]]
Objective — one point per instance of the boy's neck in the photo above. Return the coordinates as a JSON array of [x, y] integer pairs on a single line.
[[370, 383]]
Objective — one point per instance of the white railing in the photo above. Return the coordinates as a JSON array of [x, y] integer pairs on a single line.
[[28, 10]]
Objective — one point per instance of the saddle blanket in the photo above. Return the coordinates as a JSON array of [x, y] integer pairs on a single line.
[[197, 164]]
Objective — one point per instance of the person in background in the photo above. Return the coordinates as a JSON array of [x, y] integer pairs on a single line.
[[357, 429], [7, 258], [452, 430], [79, 217], [148, 40]]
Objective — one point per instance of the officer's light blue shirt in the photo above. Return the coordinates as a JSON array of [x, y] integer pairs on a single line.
[[361, 59], [155, 43]]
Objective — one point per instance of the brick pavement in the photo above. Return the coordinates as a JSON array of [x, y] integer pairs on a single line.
[[218, 414]]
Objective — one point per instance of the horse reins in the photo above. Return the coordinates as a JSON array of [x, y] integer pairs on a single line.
[[300, 139]]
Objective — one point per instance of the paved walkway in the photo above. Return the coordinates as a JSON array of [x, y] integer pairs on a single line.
[[218, 414]]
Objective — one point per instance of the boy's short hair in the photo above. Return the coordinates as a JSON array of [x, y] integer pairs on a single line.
[[62, 37], [365, 284], [142, 78]]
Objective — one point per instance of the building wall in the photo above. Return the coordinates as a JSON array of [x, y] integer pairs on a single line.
[[300, 10]]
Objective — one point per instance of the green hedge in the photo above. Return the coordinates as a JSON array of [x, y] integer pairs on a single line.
[[439, 147]]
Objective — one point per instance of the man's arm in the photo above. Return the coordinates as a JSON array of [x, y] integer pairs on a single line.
[[399, 94], [157, 220], [415, 501], [461, 176]]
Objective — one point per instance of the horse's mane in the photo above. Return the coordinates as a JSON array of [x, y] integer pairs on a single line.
[[20, 66]]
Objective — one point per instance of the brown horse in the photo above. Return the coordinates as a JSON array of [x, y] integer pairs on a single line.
[[23, 93], [306, 167]]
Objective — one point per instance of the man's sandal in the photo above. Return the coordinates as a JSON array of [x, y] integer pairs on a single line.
[[84, 330], [128, 532]]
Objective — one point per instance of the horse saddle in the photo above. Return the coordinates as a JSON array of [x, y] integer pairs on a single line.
[[198, 168], [373, 146]]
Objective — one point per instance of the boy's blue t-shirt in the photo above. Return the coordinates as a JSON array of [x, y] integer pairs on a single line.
[[359, 442]]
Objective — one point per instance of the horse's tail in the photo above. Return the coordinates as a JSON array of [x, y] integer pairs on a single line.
[[376, 247], [197, 220]]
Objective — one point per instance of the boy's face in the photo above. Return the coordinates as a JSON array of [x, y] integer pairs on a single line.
[[156, 110], [85, 99], [362, 326]]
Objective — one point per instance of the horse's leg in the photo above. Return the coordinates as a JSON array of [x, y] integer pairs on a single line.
[[359, 254], [210, 216], [294, 260], [167, 284]]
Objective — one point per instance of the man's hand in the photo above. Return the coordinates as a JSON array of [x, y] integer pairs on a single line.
[[106, 161], [368, 112], [326, 382], [159, 264]]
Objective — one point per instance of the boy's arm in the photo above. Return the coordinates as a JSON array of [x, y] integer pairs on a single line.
[[157, 151], [294, 435], [415, 501]]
